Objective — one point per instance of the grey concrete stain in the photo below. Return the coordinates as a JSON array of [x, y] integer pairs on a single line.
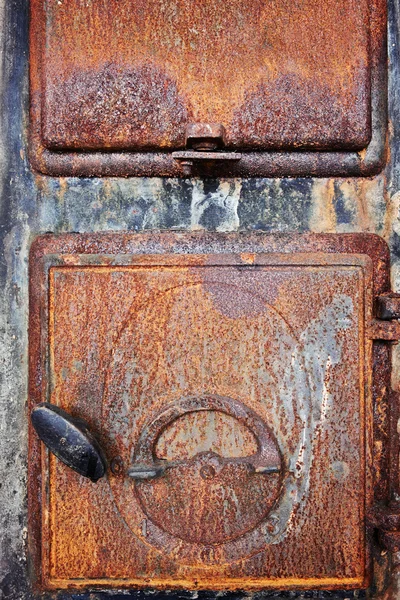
[[31, 205]]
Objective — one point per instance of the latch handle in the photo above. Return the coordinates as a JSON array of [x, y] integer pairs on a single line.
[[204, 142], [69, 439], [207, 471], [266, 461]]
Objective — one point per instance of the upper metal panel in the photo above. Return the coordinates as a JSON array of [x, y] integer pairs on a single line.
[[127, 78]]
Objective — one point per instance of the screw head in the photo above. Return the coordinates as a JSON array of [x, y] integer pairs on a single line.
[[207, 472], [117, 466]]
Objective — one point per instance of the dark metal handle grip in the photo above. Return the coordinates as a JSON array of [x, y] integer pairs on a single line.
[[69, 439]]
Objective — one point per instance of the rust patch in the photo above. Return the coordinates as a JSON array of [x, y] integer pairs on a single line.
[[292, 112], [111, 108]]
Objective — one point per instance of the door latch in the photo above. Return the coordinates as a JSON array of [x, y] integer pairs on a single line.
[[204, 142]]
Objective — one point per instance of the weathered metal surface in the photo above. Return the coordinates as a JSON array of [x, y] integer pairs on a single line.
[[167, 322], [31, 205], [116, 73], [128, 77]]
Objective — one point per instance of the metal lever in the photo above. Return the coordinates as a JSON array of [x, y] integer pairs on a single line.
[[146, 471], [157, 469], [146, 465], [69, 439]]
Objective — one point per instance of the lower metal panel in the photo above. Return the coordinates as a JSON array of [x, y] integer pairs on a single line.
[[123, 326]]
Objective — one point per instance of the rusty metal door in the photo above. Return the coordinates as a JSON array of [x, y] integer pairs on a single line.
[[117, 86], [231, 392]]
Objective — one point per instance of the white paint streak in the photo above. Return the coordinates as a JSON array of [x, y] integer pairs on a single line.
[[223, 202]]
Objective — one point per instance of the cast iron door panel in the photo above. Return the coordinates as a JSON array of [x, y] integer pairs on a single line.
[[123, 74], [243, 381], [131, 76]]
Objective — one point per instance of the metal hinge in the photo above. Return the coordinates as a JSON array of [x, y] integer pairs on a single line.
[[386, 325]]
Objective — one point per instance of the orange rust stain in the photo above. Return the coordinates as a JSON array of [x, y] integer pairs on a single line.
[[323, 218], [248, 258]]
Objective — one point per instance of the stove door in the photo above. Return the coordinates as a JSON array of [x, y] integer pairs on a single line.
[[231, 394], [118, 85]]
